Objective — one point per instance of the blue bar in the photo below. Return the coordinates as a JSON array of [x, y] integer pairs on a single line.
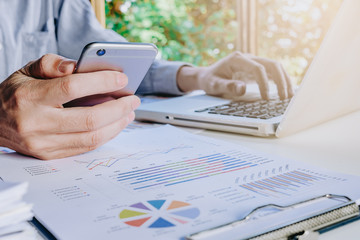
[[266, 195], [300, 178], [227, 162], [152, 173], [307, 175], [219, 159], [141, 169], [185, 180], [176, 176], [235, 165], [166, 172], [135, 175], [297, 180], [147, 186], [161, 178], [283, 181], [210, 155], [204, 165], [279, 186]]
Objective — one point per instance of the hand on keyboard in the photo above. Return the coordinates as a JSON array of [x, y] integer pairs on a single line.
[[229, 76]]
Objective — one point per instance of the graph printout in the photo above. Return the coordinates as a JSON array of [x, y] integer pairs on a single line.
[[164, 183]]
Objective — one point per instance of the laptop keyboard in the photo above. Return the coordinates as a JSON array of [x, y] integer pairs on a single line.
[[259, 109]]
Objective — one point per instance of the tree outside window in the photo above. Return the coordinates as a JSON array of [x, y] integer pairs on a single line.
[[203, 31]]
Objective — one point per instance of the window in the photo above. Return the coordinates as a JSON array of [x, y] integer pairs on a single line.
[[291, 31], [203, 31]]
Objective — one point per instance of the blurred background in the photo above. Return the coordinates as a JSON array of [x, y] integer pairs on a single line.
[[203, 31]]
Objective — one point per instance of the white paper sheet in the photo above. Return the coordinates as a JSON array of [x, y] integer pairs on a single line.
[[163, 183]]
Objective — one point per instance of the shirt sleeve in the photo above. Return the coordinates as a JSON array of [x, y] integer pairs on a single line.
[[77, 26]]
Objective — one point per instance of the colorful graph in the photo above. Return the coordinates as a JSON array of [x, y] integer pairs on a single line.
[[111, 161], [70, 193], [37, 170], [159, 214], [186, 170], [283, 184]]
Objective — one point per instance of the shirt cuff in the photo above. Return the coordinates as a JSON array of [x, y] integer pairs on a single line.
[[161, 78]]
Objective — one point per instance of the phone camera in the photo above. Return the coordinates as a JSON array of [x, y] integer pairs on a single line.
[[100, 52]]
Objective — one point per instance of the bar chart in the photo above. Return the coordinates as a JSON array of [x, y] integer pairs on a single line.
[[283, 184], [187, 170]]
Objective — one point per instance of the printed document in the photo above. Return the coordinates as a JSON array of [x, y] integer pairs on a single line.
[[165, 183]]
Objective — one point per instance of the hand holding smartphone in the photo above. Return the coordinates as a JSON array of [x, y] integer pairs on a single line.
[[133, 59]]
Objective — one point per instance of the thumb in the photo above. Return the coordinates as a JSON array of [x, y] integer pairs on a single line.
[[50, 66]]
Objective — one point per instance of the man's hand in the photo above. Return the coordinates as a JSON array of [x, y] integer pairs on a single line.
[[34, 122], [229, 76]]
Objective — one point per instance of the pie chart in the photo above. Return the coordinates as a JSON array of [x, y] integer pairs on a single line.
[[159, 213]]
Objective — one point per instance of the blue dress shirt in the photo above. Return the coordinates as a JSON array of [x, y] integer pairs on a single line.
[[32, 28]]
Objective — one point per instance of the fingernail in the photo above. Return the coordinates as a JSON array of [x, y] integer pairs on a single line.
[[121, 80], [240, 89], [66, 66]]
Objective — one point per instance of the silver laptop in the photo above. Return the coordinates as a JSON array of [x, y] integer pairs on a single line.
[[330, 88]]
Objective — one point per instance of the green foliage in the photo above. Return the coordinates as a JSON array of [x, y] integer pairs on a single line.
[[195, 31], [203, 31]]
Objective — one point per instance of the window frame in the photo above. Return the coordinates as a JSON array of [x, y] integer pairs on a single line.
[[246, 17]]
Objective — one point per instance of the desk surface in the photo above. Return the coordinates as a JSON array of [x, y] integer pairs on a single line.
[[334, 145]]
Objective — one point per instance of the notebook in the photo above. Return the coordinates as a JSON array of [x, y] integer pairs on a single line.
[[329, 89]]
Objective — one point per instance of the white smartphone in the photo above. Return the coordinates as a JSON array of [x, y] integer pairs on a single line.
[[133, 59]]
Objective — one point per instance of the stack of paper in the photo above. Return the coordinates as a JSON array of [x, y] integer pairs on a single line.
[[14, 212]]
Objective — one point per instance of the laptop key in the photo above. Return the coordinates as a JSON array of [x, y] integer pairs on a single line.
[[264, 116], [260, 109]]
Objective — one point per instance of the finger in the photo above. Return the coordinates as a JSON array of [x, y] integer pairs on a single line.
[[221, 86], [62, 90], [87, 119], [278, 74], [279, 79], [94, 139], [289, 86], [254, 67], [50, 66], [64, 145], [262, 81]]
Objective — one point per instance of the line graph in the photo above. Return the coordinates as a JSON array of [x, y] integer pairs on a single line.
[[110, 161]]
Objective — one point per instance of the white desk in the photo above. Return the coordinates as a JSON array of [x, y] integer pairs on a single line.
[[334, 145]]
